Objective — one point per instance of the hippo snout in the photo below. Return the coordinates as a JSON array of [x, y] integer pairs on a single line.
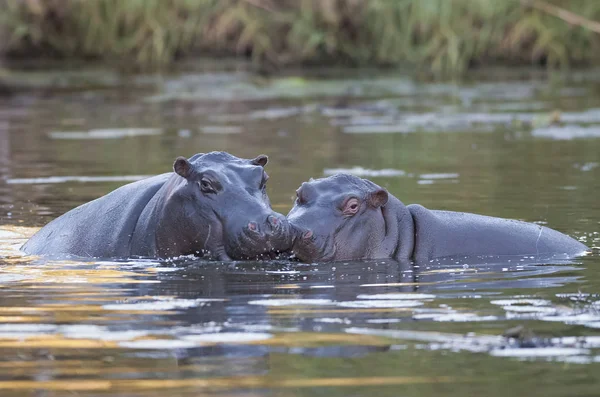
[[273, 221], [309, 246], [273, 225], [278, 224], [280, 232], [252, 227], [301, 235], [307, 235], [269, 233]]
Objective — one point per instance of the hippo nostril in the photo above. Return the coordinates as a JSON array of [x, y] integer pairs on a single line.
[[253, 226], [307, 235], [273, 220]]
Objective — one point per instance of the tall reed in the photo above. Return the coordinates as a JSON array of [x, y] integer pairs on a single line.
[[443, 36]]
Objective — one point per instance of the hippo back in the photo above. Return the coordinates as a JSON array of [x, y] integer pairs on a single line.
[[101, 228], [447, 233]]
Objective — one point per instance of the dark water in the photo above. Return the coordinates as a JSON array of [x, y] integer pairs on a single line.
[[509, 144]]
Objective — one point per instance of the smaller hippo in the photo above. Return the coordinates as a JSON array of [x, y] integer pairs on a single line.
[[344, 217], [213, 205]]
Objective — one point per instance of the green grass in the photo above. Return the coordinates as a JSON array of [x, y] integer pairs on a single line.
[[444, 37]]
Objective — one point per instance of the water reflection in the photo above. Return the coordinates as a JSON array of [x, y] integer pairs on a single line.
[[201, 322], [522, 149]]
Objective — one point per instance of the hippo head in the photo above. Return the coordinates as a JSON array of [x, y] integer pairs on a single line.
[[338, 218], [217, 204]]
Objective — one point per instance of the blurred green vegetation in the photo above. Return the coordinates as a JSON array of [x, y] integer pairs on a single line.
[[441, 36]]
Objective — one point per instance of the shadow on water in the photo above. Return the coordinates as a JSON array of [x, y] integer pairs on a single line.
[[521, 148]]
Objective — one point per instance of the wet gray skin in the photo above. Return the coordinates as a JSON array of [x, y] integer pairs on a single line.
[[213, 205], [344, 217]]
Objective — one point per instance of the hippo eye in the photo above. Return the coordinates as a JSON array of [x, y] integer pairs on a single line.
[[351, 206], [206, 186]]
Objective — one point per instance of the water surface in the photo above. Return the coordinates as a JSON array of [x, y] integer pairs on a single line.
[[509, 144]]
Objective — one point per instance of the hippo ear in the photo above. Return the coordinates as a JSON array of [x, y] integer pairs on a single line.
[[261, 160], [378, 198], [182, 167]]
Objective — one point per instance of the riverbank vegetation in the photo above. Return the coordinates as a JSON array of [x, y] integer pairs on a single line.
[[441, 36]]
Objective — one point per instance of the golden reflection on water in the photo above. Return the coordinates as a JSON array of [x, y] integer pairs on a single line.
[[11, 238], [86, 288], [221, 383], [122, 328], [299, 339]]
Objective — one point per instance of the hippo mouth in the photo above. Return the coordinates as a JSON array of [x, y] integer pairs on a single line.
[[313, 248], [252, 246], [269, 243]]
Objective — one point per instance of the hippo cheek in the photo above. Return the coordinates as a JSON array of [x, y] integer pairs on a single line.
[[210, 242]]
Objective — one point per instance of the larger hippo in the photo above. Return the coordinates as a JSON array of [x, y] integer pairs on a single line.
[[214, 204], [344, 217]]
